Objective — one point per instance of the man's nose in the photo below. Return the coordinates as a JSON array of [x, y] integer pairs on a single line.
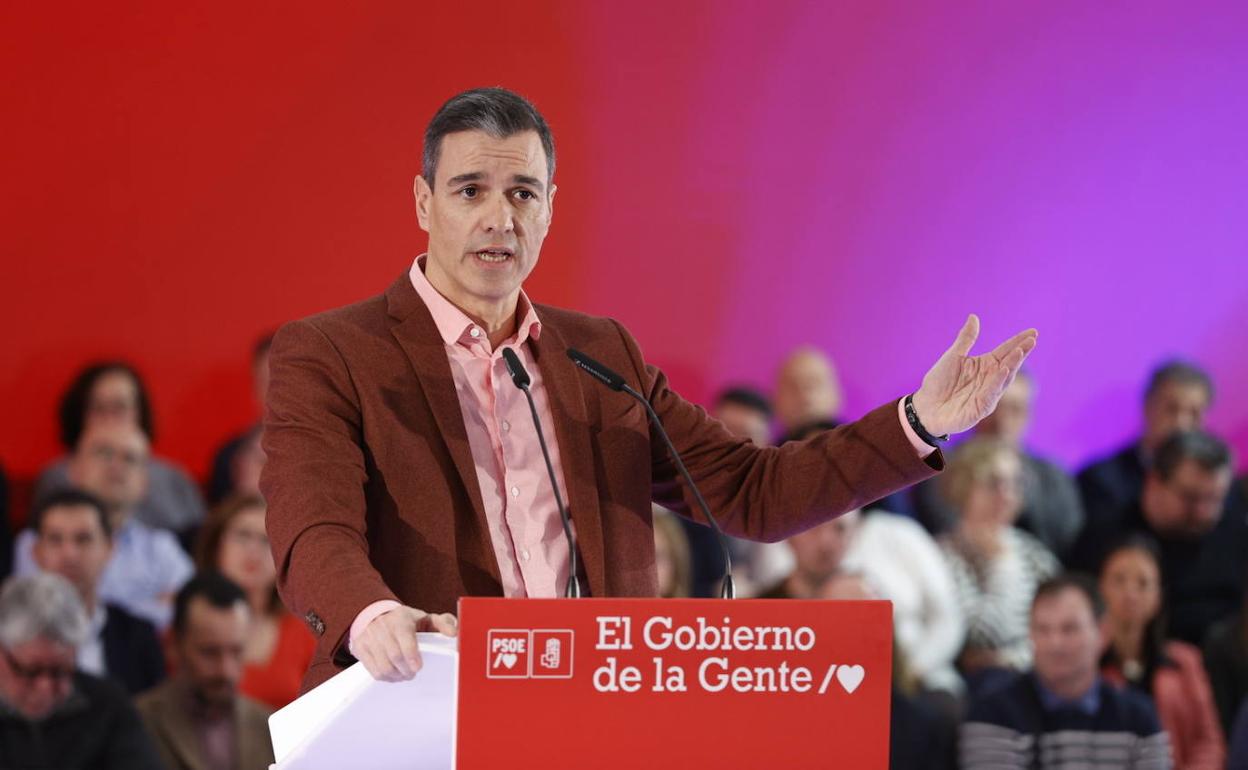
[[498, 216]]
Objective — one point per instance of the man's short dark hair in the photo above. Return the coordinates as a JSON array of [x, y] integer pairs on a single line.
[[214, 588], [68, 498], [1178, 372], [74, 402], [1206, 450], [1071, 581], [746, 397], [496, 111]]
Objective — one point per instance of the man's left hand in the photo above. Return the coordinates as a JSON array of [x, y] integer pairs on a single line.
[[960, 389]]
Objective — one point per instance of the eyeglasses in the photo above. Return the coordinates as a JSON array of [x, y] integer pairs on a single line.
[[31, 674]]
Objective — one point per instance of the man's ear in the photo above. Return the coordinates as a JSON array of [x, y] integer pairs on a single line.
[[424, 196], [550, 203]]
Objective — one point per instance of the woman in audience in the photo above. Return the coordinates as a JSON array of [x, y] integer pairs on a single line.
[[996, 567], [113, 392], [671, 556], [279, 647], [1139, 656]]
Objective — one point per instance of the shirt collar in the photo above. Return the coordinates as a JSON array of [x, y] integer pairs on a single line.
[[455, 326], [1089, 703]]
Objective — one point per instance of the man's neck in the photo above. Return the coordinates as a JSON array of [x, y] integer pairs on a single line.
[[1073, 688], [496, 317]]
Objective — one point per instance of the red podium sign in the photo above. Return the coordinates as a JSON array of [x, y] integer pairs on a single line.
[[680, 683]]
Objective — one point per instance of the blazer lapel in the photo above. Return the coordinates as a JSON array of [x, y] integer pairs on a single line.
[[178, 729], [567, 406], [417, 334]]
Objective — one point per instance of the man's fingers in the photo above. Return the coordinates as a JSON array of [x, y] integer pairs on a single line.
[[444, 623], [409, 651], [966, 336], [1026, 339]]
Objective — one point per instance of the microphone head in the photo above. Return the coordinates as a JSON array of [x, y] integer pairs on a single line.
[[516, 369], [597, 370]]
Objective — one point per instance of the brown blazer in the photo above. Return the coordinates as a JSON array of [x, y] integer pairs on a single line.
[[372, 490], [166, 716]]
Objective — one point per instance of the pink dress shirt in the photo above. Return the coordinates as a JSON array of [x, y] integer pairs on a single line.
[[524, 521]]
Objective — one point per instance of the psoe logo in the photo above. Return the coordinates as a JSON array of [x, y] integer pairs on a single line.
[[514, 653]]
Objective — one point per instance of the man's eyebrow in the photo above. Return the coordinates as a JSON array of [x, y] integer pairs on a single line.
[[472, 176], [532, 181]]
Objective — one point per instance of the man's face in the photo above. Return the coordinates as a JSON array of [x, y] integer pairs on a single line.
[[36, 677], [114, 398], [1066, 638], [71, 543], [741, 420], [110, 462], [820, 550], [1190, 503], [211, 650], [487, 214], [1173, 407], [1013, 413], [807, 390]]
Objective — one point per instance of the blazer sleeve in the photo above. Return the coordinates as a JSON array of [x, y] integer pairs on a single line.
[[768, 493], [313, 481]]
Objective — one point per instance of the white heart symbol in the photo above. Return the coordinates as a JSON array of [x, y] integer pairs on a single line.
[[850, 677], [509, 659]]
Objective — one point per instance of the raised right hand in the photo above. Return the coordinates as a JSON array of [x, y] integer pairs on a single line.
[[387, 646]]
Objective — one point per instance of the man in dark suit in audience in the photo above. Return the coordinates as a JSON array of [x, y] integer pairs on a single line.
[[74, 540], [1177, 398]]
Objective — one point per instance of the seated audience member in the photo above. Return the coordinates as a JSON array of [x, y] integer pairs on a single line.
[[671, 556], [747, 413], [807, 391], [1202, 535], [1052, 509], [148, 566], [1062, 714], [818, 554], [73, 539], [52, 716], [1177, 398], [109, 394], [1139, 656], [1226, 660], [996, 567], [235, 466], [198, 718], [279, 648], [902, 564]]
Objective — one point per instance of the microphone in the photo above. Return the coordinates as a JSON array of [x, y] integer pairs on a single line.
[[614, 381], [521, 378]]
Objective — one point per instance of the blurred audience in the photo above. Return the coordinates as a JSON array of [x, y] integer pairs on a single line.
[[818, 554], [52, 716], [671, 556], [902, 564], [1177, 398], [73, 539], [1204, 543], [148, 565], [279, 647], [807, 391], [996, 567], [6, 528], [110, 394], [1062, 714], [1139, 655], [1052, 509], [1226, 660], [198, 718], [1238, 758], [236, 464]]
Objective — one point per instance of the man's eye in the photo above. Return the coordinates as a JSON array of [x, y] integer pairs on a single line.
[[469, 192], [525, 195]]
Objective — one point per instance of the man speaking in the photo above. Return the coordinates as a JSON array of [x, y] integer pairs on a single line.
[[404, 469]]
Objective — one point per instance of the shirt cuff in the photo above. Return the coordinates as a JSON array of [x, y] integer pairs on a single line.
[[368, 615], [922, 447]]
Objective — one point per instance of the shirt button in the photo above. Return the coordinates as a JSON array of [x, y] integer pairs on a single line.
[[515, 491], [474, 332], [525, 554], [506, 426]]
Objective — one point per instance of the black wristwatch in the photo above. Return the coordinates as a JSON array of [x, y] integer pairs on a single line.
[[913, 418]]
